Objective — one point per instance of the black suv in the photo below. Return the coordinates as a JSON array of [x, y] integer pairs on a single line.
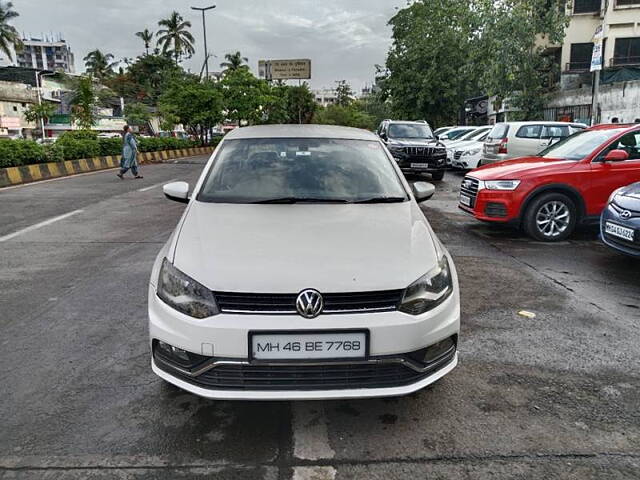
[[414, 146]]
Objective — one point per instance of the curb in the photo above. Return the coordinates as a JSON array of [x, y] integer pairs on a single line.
[[44, 171]]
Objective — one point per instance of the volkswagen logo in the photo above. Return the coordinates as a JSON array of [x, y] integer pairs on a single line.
[[309, 303], [625, 214]]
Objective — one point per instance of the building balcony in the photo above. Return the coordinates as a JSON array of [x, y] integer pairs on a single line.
[[577, 67], [624, 62]]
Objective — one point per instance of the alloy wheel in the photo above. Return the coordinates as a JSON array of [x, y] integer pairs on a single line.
[[553, 219]]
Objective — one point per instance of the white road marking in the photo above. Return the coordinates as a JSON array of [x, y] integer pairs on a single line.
[[314, 473], [39, 225], [310, 435], [146, 189]]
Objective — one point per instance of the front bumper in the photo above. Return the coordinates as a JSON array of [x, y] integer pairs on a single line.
[[494, 206], [224, 339], [619, 244]]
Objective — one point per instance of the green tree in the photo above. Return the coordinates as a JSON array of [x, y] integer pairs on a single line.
[[84, 101], [137, 114], [350, 116], [174, 37], [198, 106], [39, 112], [344, 93], [147, 37], [99, 64], [429, 63], [8, 33], [245, 96], [145, 79], [514, 66], [233, 62], [301, 104]]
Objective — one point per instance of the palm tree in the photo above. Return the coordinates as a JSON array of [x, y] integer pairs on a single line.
[[146, 36], [234, 62], [8, 33], [99, 64], [175, 38]]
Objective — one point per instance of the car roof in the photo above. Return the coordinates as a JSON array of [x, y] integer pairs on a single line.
[[542, 122], [416, 122], [611, 126], [300, 131]]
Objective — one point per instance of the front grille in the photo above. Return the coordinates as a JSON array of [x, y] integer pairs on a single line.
[[285, 304], [618, 209], [419, 151], [327, 376], [470, 189]]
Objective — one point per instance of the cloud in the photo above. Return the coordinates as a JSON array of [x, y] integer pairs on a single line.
[[343, 39]]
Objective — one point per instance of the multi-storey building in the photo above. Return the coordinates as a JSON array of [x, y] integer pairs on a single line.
[[43, 54]]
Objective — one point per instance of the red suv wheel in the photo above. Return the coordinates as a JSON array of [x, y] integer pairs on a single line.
[[551, 217]]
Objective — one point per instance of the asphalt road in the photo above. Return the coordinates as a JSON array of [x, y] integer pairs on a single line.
[[556, 396]]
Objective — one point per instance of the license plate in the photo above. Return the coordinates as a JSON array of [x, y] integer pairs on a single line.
[[619, 231], [308, 346], [419, 165], [466, 201]]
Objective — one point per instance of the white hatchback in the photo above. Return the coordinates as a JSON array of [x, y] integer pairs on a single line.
[[302, 268]]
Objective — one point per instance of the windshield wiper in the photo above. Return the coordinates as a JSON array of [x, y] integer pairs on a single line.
[[382, 200], [291, 200]]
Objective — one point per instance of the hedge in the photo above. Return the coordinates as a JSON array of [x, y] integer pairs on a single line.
[[77, 144]]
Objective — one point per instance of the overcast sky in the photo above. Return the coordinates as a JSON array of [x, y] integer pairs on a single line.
[[343, 38]]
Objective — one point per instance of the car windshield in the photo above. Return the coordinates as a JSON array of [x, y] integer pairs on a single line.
[[498, 132], [457, 133], [409, 130], [579, 145], [302, 170]]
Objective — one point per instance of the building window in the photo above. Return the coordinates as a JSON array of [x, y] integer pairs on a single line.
[[580, 56], [623, 3], [586, 6], [627, 51]]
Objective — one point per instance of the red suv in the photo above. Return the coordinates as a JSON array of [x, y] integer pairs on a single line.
[[565, 185]]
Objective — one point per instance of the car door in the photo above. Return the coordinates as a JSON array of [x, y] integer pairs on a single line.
[[526, 141], [552, 134], [608, 176]]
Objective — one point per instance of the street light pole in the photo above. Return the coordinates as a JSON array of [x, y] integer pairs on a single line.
[[204, 29], [39, 76]]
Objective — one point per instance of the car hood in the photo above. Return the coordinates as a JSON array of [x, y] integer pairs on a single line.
[[466, 145], [522, 167], [629, 197], [287, 248], [414, 142]]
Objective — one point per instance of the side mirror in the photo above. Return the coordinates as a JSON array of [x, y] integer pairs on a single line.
[[423, 191], [177, 191], [616, 156]]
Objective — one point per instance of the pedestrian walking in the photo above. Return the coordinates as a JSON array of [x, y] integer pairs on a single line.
[[129, 154]]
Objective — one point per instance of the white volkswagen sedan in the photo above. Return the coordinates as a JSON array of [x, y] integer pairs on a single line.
[[302, 268]]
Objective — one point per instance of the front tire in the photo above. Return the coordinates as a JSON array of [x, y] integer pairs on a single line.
[[551, 217], [437, 176]]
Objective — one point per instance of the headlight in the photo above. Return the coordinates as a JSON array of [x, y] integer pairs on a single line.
[[475, 151], [501, 184], [185, 294], [428, 291]]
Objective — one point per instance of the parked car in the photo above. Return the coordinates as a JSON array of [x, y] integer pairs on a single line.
[[470, 136], [455, 134], [620, 221], [415, 147], [565, 185], [466, 155], [302, 268], [520, 139], [441, 131]]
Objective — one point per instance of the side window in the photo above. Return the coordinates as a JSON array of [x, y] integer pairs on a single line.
[[630, 143], [529, 131], [554, 131]]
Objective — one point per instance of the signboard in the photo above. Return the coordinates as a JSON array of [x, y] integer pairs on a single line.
[[596, 56], [299, 69]]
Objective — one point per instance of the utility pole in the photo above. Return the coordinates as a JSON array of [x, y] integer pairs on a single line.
[[597, 59], [204, 29]]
